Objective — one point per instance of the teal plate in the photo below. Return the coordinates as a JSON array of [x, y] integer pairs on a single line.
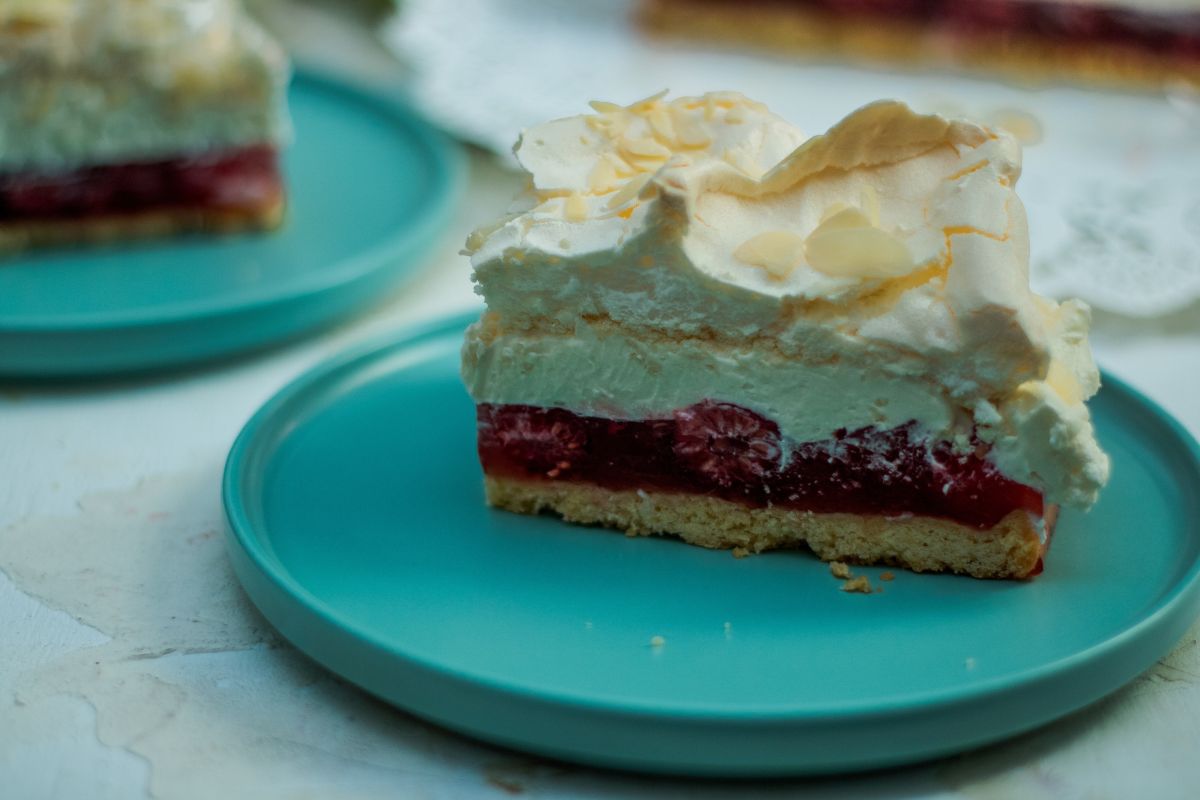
[[370, 188], [358, 527]]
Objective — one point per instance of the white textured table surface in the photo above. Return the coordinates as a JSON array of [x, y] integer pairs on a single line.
[[131, 664]]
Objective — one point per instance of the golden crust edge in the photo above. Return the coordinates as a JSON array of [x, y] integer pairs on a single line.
[[21, 235], [1010, 549]]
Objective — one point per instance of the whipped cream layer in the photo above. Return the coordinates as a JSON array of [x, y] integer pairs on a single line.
[[807, 278], [85, 83]]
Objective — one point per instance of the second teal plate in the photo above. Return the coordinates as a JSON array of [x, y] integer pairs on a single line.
[[357, 524], [370, 186]]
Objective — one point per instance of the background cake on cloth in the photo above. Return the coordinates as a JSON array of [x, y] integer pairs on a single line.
[[702, 323], [1126, 43], [130, 118]]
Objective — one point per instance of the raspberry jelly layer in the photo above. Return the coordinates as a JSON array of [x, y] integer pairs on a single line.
[[243, 179], [727, 451]]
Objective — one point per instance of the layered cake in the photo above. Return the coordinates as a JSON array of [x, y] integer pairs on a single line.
[[701, 322], [1129, 43], [137, 117]]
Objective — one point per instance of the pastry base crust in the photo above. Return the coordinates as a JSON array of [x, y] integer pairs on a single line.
[[1010, 549], [798, 31], [24, 234]]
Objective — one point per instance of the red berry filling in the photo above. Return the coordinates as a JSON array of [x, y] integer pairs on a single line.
[[244, 179], [728, 451]]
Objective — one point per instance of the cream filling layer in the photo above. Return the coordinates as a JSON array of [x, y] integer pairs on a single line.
[[1037, 437]]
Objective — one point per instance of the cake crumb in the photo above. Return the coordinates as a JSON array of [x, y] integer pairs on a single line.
[[861, 585], [740, 552], [887, 576], [728, 629], [839, 570], [657, 641], [969, 663], [588, 624]]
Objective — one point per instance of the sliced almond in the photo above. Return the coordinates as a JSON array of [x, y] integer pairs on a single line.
[[645, 148], [575, 209], [661, 125], [857, 252], [777, 252], [604, 107], [603, 178], [630, 190], [841, 217], [689, 132], [611, 125], [622, 167], [870, 203], [652, 100]]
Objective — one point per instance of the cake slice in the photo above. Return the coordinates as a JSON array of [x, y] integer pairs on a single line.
[[131, 118], [1123, 43], [702, 323]]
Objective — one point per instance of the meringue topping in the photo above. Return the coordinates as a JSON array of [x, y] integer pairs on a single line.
[[894, 243]]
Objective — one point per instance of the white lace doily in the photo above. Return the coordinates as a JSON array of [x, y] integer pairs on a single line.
[[1112, 189]]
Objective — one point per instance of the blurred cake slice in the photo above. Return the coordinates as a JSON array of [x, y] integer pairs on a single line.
[[1123, 43], [132, 118], [702, 323]]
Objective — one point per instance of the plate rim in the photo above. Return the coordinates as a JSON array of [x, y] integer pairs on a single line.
[[447, 159], [240, 532]]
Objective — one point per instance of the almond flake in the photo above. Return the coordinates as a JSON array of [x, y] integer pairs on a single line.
[[648, 101], [777, 252], [660, 123], [688, 130], [646, 164], [869, 200], [857, 252], [575, 208], [629, 191], [840, 217], [832, 210], [605, 107], [612, 125], [603, 178], [601, 122], [622, 167], [645, 148]]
